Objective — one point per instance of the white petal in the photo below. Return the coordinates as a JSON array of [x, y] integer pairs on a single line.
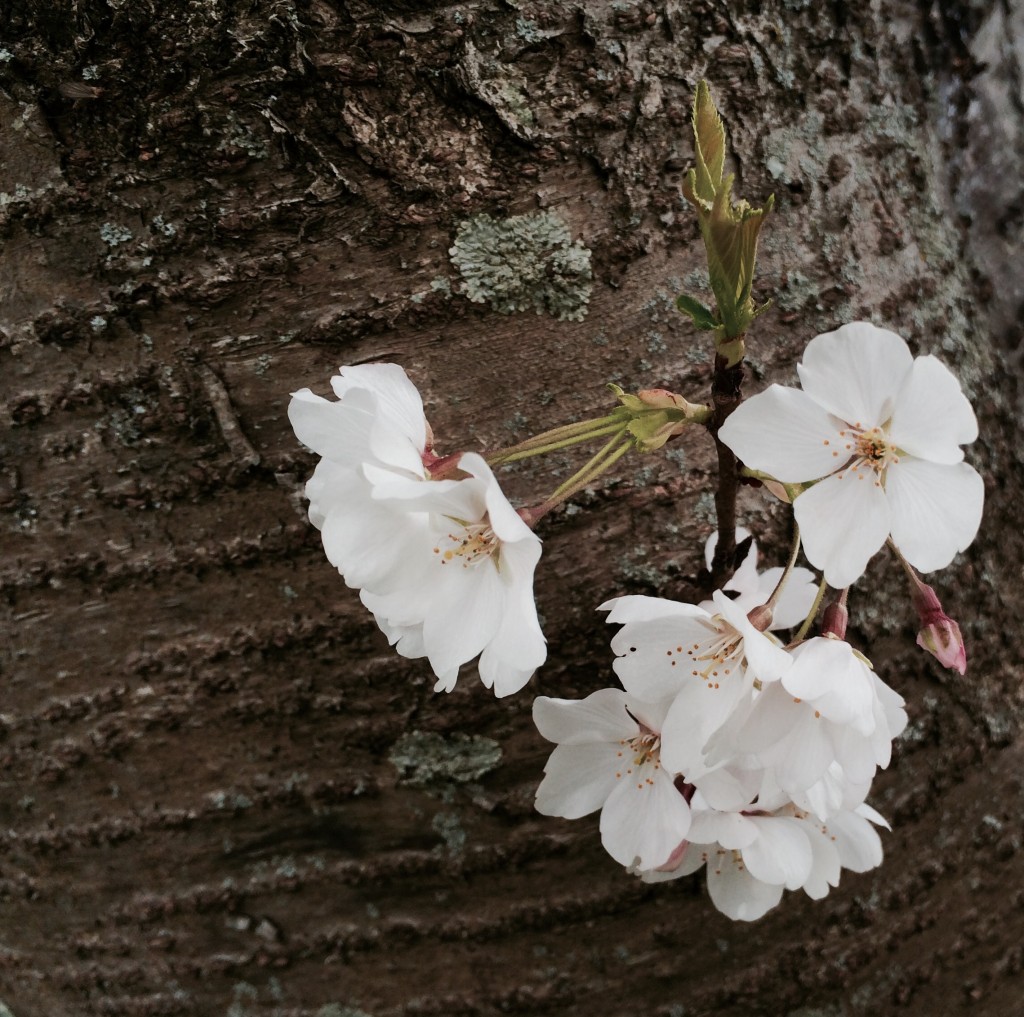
[[764, 656], [642, 823], [725, 789], [856, 372], [843, 521], [624, 610], [395, 394], [797, 596], [805, 756], [932, 418], [825, 867], [652, 661], [518, 647], [463, 614], [730, 829], [578, 780], [695, 714], [858, 843], [736, 893], [781, 853], [601, 717], [329, 429], [935, 510], [827, 673], [785, 433]]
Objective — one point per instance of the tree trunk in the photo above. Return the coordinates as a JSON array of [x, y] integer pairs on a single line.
[[223, 792]]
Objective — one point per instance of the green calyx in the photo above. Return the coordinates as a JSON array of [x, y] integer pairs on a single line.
[[654, 415]]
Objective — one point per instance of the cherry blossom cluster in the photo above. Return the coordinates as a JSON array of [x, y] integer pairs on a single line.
[[728, 746]]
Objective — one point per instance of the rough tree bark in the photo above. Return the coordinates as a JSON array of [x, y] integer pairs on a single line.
[[222, 794]]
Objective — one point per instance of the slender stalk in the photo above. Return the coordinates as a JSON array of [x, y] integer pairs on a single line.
[[584, 473], [565, 492], [788, 571], [548, 439], [813, 613], [516, 453]]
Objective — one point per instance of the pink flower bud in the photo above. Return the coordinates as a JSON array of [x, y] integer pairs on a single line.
[[939, 634], [835, 619]]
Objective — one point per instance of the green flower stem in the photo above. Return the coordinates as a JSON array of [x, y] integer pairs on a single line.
[[593, 468], [554, 442], [788, 571], [812, 614], [590, 472]]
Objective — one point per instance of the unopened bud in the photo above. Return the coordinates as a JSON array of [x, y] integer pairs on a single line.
[[834, 620], [939, 634], [761, 617], [942, 639]]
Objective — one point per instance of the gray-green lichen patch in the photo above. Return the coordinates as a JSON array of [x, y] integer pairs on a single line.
[[526, 261], [423, 758]]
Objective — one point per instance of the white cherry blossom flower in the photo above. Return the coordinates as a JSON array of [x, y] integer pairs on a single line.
[[705, 663], [881, 433], [608, 757], [752, 856], [446, 566], [829, 708]]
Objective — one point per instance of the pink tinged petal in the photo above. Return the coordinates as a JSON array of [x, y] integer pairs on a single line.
[[843, 521], [858, 843], [601, 717], [644, 819], [825, 867], [736, 893], [691, 858], [935, 510], [578, 780], [932, 418], [785, 433], [397, 397], [781, 853], [856, 372]]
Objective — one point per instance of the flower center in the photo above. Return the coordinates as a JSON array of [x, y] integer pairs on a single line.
[[870, 451], [469, 544], [713, 660], [644, 748]]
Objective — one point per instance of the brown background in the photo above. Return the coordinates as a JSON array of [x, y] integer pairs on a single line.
[[205, 205]]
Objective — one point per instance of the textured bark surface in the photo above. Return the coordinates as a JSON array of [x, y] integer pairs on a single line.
[[214, 797]]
